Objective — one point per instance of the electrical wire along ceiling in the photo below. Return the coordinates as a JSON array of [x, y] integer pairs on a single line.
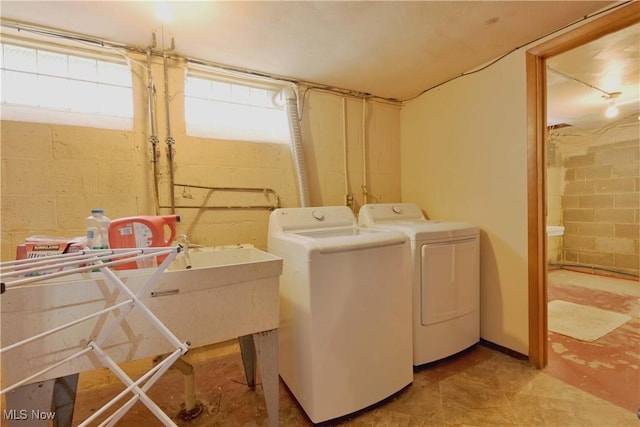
[[391, 49]]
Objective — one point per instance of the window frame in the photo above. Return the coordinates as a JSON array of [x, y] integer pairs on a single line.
[[274, 89]]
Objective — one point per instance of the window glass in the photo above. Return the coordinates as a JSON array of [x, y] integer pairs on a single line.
[[229, 109], [44, 85], [19, 58]]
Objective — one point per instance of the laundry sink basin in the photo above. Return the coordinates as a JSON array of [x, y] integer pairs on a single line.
[[225, 294], [206, 297], [210, 267]]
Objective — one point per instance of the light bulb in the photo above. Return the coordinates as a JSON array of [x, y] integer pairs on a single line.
[[164, 11], [612, 110]]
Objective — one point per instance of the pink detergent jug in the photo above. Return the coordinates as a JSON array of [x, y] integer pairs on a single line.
[[142, 232]]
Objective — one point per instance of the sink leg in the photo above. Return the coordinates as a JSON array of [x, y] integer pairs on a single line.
[[37, 404], [266, 344], [248, 353], [64, 399], [24, 400]]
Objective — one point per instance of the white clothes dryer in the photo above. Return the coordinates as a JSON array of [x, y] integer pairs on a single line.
[[446, 278], [345, 310]]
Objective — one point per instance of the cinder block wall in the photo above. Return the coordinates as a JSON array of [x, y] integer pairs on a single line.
[[52, 175], [555, 178], [601, 207]]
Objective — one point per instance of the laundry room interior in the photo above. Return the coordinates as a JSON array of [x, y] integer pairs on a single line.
[[549, 193]]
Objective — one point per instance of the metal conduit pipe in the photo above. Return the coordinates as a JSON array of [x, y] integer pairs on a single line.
[[269, 193], [169, 140], [296, 145], [348, 198], [153, 127], [365, 191]]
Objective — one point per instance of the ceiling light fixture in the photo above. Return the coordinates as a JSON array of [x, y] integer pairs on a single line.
[[610, 97], [164, 12], [612, 108]]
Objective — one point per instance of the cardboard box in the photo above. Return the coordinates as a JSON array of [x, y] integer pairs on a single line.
[[38, 247]]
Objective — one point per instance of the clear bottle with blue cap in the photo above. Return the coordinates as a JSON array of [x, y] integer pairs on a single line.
[[97, 230]]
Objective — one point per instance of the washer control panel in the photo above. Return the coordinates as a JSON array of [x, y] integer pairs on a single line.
[[373, 213]]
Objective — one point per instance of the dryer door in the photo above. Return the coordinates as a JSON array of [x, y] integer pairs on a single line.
[[449, 282]]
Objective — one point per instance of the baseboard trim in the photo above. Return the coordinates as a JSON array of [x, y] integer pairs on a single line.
[[504, 350]]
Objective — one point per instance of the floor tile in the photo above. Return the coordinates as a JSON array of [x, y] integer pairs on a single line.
[[478, 387]]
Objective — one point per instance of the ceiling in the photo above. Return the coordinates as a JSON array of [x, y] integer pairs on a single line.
[[390, 49], [577, 79]]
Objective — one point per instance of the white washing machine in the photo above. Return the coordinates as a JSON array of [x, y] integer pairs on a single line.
[[446, 278], [345, 310]]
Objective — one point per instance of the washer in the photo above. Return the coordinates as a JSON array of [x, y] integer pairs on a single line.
[[446, 278], [345, 310]]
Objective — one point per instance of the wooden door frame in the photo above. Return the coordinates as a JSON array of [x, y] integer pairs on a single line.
[[536, 162]]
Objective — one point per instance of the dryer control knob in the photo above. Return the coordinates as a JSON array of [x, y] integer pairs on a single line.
[[396, 209], [318, 215]]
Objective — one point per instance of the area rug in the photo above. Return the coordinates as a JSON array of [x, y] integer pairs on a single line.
[[582, 322]]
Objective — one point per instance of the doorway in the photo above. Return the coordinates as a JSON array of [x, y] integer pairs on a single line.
[[536, 164]]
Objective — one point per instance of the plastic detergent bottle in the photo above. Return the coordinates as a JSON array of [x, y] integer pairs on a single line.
[[142, 232], [97, 230]]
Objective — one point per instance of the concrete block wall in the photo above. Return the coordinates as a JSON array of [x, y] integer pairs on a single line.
[[53, 175], [554, 209], [601, 207]]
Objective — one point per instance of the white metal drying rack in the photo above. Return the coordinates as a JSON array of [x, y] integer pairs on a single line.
[[28, 271]]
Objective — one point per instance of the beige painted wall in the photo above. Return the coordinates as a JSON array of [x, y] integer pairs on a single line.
[[53, 175], [464, 152], [324, 138]]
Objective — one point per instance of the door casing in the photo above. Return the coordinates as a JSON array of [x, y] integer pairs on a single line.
[[536, 162]]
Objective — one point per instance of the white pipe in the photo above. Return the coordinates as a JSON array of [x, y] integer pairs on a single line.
[[364, 151], [296, 146], [170, 141]]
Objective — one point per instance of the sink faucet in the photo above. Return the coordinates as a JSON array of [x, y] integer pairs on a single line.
[[185, 247], [185, 239], [187, 243]]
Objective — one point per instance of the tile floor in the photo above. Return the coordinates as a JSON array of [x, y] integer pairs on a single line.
[[479, 387]]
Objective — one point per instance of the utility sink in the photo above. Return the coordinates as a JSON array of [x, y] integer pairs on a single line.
[[555, 230], [206, 297], [227, 293], [212, 267]]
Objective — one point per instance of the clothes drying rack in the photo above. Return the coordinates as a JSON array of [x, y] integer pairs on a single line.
[[14, 274]]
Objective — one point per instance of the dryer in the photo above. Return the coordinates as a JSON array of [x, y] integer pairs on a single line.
[[345, 310], [445, 276]]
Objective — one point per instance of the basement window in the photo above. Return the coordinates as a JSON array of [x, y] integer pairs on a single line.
[[231, 108], [49, 86]]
